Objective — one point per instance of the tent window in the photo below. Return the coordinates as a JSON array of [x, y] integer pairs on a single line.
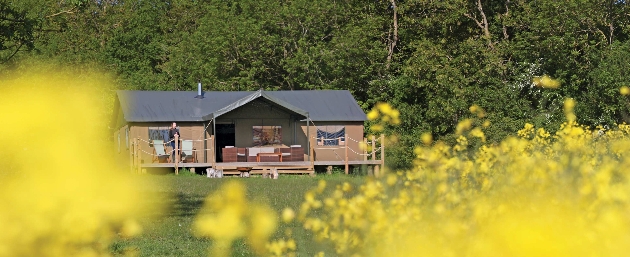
[[267, 135], [159, 133], [119, 142], [331, 135]]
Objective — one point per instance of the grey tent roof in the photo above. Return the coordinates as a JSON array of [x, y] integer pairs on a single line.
[[167, 106], [252, 97]]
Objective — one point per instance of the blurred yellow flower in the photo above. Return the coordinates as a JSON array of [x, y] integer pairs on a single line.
[[474, 108], [346, 187], [463, 126], [227, 215], [372, 115], [392, 179], [426, 138], [377, 128], [288, 215], [79, 199], [624, 90], [546, 82], [131, 228], [569, 104], [538, 193], [385, 108]]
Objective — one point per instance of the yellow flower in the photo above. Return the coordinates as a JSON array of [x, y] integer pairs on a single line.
[[385, 108], [624, 90], [346, 187], [569, 104], [321, 185], [227, 216], [288, 215], [80, 200], [426, 138], [546, 82], [291, 244], [263, 223], [463, 126], [391, 179], [131, 228], [373, 114], [395, 114], [474, 108], [476, 132], [377, 127]]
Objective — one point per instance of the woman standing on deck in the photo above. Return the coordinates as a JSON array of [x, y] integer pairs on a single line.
[[171, 137]]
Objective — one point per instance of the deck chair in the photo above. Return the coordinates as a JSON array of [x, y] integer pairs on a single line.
[[188, 152], [159, 152]]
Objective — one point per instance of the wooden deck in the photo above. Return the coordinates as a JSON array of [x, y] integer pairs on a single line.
[[137, 165], [260, 165]]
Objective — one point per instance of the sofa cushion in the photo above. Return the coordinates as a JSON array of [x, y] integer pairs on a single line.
[[267, 149], [253, 151]]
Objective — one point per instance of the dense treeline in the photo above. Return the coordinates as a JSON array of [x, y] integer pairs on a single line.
[[430, 59]]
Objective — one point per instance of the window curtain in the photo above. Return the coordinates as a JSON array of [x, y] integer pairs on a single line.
[[331, 134]]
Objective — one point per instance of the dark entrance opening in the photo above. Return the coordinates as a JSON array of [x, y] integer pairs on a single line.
[[226, 136]]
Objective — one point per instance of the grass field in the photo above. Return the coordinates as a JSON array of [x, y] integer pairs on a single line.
[[170, 233]]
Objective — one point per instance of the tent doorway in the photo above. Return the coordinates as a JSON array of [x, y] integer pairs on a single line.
[[226, 136]]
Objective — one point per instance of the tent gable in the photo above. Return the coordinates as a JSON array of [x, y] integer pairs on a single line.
[[248, 99]]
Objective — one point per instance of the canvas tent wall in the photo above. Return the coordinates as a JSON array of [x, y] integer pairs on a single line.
[[188, 130]]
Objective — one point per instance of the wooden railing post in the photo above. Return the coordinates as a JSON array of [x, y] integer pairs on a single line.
[[364, 165], [213, 152], [373, 148], [346, 143], [139, 156], [176, 154], [365, 149], [132, 150], [383, 150]]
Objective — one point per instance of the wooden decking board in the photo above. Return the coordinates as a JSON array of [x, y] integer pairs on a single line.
[[279, 165], [258, 172], [326, 163]]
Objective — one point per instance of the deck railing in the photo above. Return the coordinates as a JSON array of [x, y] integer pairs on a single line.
[[368, 149]]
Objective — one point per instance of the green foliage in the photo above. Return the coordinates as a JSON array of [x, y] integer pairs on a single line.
[[445, 55], [16, 30]]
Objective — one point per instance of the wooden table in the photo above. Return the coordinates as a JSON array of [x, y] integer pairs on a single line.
[[244, 171], [268, 154]]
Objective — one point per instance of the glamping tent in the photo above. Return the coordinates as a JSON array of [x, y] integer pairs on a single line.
[[241, 119]]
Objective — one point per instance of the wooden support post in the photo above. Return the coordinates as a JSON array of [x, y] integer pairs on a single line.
[[213, 154], [208, 151], [139, 157], [346, 166], [312, 155], [176, 154]]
